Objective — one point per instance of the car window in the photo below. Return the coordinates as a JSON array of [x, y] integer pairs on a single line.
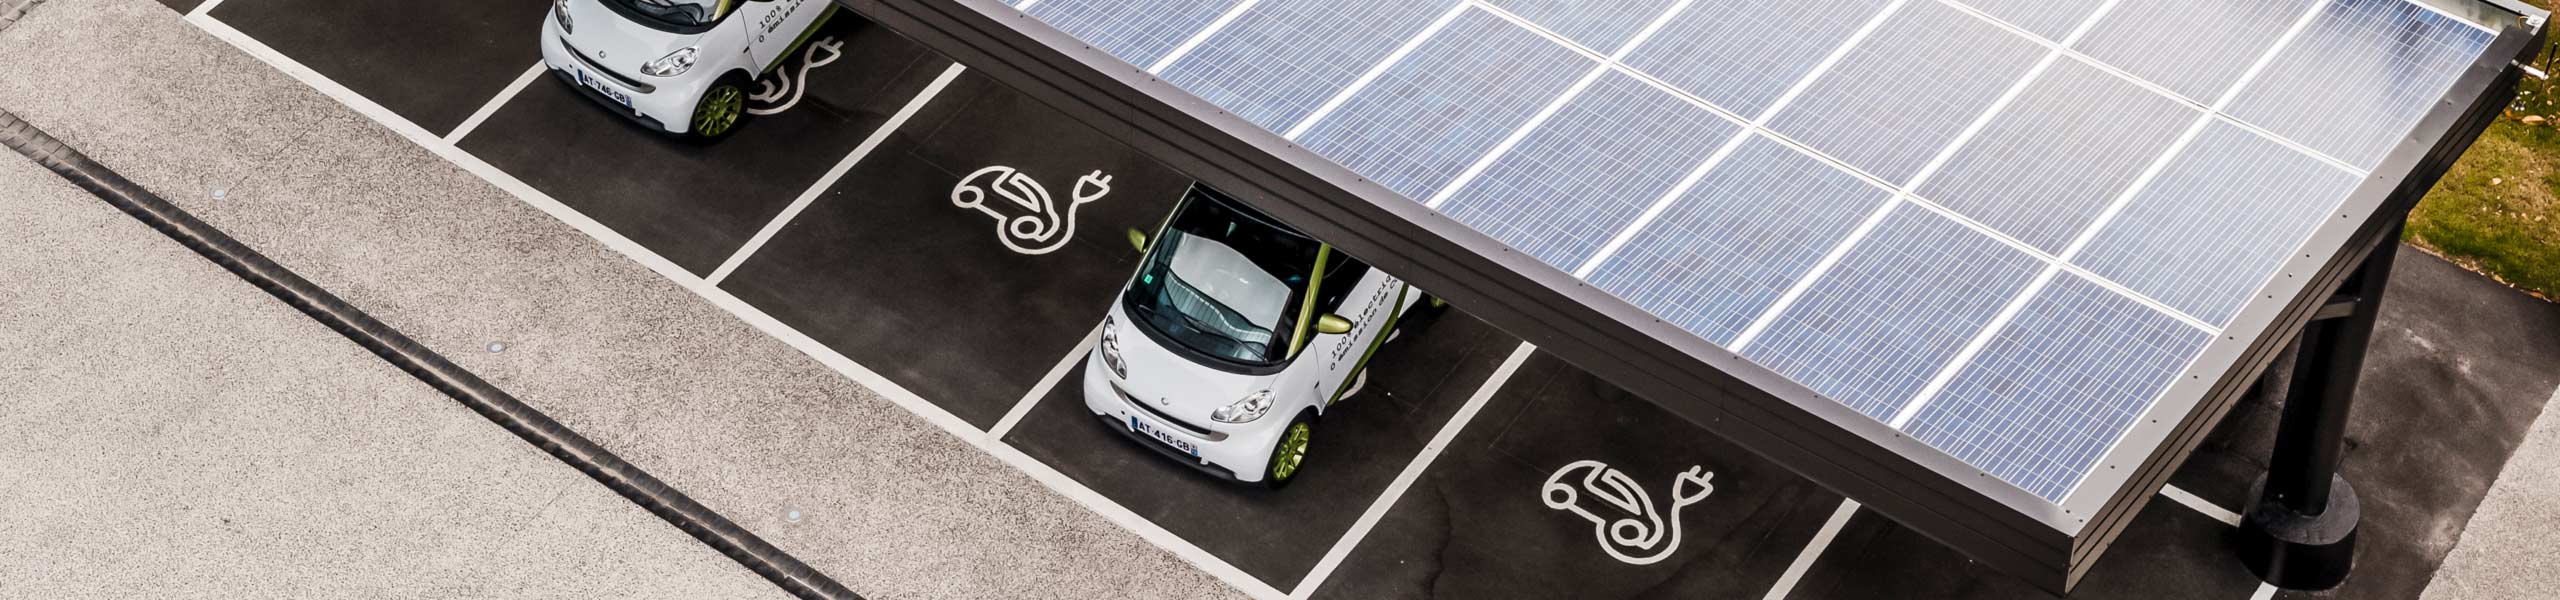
[[680, 13], [1224, 283], [1342, 273]]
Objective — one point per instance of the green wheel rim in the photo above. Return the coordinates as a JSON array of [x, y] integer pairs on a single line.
[[1293, 448], [719, 110]]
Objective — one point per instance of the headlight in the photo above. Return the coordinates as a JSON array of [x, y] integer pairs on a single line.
[[1111, 349], [673, 64], [1246, 410], [560, 11]]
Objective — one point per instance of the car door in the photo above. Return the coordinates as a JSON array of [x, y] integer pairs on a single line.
[[773, 26], [1365, 297]]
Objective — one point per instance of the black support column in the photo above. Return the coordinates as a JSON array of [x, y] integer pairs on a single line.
[[2301, 532]]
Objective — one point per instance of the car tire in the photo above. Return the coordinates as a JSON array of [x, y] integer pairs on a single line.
[[720, 110], [1289, 454]]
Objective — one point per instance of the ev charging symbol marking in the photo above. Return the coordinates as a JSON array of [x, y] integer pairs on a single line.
[[1638, 526], [770, 93], [1040, 225]]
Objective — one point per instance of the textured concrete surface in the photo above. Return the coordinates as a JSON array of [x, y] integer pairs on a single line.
[[894, 507], [2511, 549], [167, 430]]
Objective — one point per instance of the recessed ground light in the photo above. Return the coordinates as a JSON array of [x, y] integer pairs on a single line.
[[497, 347], [219, 193], [791, 516]]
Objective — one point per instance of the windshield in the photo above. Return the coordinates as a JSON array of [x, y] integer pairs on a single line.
[[1224, 282], [680, 13]]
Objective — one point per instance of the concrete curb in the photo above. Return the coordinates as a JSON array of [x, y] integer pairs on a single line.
[[527, 423], [15, 10]]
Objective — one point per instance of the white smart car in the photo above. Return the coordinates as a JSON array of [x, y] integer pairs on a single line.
[[1234, 337], [681, 66]]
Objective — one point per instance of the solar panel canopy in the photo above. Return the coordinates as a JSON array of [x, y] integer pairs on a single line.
[[2012, 230]]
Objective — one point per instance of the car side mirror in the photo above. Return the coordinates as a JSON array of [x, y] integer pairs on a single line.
[[1138, 240], [1333, 325]]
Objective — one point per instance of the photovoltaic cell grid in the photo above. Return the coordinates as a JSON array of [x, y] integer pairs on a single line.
[[1600, 25], [2369, 65], [2197, 48], [2217, 222], [2050, 19], [1907, 91], [2070, 144], [1726, 249], [1276, 63], [2060, 380], [1137, 31], [1603, 159], [1452, 100], [1872, 331], [2052, 391], [1743, 54]]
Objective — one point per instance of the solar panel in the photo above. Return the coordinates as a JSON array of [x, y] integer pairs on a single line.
[[2197, 48], [2048, 164], [2001, 227], [1432, 114], [1600, 25], [1904, 93], [2051, 19], [1137, 31], [2372, 66], [1263, 68], [1586, 174], [1742, 55], [2056, 386], [1724, 251]]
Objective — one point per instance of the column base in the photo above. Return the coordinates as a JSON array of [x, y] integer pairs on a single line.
[[2296, 551]]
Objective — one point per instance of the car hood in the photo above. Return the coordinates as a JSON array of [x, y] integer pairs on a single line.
[[1172, 384], [607, 38]]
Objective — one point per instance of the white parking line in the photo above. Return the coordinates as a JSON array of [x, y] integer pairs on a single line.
[[895, 394], [1412, 472], [1812, 551], [1047, 382], [835, 173], [2266, 591], [2200, 505], [478, 116], [203, 9]]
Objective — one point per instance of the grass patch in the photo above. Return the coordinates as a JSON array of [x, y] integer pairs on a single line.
[[2495, 212]]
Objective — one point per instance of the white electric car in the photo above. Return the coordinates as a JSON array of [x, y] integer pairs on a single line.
[[1234, 337], [681, 66]]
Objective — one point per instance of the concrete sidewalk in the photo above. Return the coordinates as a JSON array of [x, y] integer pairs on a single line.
[[2512, 548], [167, 430], [891, 505]]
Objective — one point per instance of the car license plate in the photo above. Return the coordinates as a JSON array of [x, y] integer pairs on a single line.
[[599, 86], [1151, 431]]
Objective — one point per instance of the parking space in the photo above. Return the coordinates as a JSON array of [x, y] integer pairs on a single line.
[[692, 203], [2168, 552], [1416, 384], [942, 299], [1513, 508], [433, 63]]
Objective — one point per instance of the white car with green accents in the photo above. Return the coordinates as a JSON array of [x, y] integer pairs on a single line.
[[681, 66], [1234, 337]]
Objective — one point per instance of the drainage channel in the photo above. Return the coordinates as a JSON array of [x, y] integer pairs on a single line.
[[514, 415]]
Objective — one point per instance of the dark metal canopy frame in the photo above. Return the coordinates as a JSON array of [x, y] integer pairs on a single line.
[[1827, 442]]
